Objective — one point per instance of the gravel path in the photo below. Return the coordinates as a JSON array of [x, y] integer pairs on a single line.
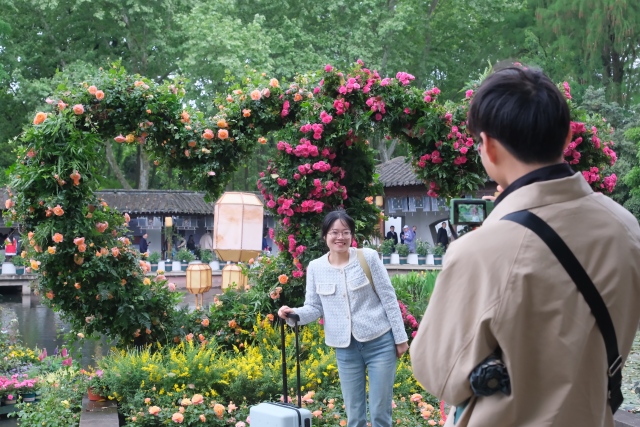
[[631, 378]]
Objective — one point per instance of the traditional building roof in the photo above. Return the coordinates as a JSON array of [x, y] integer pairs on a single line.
[[397, 173], [157, 202]]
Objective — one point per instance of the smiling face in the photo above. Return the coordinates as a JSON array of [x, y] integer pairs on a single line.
[[338, 237]]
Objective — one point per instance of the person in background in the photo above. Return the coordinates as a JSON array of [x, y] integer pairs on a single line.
[[443, 236], [392, 235], [191, 244], [415, 232], [503, 291], [362, 321], [206, 241], [409, 239], [144, 245]]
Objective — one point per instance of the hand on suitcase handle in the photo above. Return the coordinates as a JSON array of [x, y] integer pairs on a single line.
[[286, 311]]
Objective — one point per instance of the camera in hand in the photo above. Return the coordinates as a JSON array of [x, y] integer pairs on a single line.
[[470, 212]]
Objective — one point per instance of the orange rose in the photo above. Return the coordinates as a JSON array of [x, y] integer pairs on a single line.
[[115, 252], [58, 210], [205, 322], [229, 98], [77, 285], [297, 97], [99, 95], [208, 134], [256, 95], [222, 123], [35, 265], [283, 279], [203, 418], [40, 117], [154, 410], [262, 140], [82, 248], [50, 294], [102, 226], [92, 90], [78, 109], [219, 410], [9, 203], [57, 237], [51, 250], [78, 241], [233, 324], [185, 118], [61, 105], [223, 133], [369, 199], [191, 144], [274, 83], [75, 176], [177, 417], [246, 113]]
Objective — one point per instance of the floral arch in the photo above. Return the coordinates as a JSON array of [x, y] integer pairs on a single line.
[[319, 124]]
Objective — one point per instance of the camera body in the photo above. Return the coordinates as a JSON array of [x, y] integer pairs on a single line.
[[471, 212]]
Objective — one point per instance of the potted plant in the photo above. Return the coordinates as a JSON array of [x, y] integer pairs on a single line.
[[386, 248], [209, 257], [403, 252], [438, 252], [422, 248], [185, 256], [7, 266], [153, 259], [96, 388], [18, 261]]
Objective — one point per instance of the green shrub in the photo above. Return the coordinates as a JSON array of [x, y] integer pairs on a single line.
[[386, 247], [422, 247], [415, 289], [206, 256], [402, 249], [154, 257], [185, 255]]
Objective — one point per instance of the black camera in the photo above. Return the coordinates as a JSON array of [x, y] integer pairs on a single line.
[[470, 212]]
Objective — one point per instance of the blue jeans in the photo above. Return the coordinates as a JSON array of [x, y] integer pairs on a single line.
[[378, 359]]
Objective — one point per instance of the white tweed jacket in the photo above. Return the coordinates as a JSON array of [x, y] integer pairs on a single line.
[[348, 302]]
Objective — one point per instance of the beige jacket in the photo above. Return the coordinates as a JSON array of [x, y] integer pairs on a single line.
[[501, 286]]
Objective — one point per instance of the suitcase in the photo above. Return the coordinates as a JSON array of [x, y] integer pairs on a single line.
[[278, 414]]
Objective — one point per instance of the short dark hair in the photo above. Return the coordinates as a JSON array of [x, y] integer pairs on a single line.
[[333, 216], [393, 226], [522, 109]]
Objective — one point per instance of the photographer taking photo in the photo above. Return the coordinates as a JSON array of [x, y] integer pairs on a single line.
[[503, 291]]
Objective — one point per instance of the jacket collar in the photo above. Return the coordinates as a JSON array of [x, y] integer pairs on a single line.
[[541, 193], [546, 173]]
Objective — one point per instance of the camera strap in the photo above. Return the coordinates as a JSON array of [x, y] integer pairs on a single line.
[[588, 291]]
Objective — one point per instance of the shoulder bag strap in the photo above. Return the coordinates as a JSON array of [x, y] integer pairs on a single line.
[[365, 268], [588, 291]]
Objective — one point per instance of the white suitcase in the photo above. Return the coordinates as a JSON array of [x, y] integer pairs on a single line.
[[278, 414]]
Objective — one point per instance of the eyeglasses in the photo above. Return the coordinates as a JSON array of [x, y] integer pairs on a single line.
[[335, 234]]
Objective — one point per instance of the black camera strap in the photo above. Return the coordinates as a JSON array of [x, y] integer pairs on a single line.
[[588, 291]]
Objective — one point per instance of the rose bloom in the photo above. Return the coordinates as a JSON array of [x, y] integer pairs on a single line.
[[146, 281], [115, 251], [51, 250], [283, 279], [262, 140], [223, 133], [147, 400], [92, 90], [40, 117], [197, 399], [154, 410], [219, 410], [222, 123], [100, 95], [246, 112], [78, 109], [78, 241], [171, 287], [240, 424], [297, 97], [203, 418], [9, 204], [57, 238], [35, 265], [205, 322], [185, 402], [208, 134], [58, 210], [274, 83], [82, 247], [256, 95], [77, 285]]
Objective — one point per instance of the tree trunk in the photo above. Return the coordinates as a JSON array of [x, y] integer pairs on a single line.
[[114, 166], [144, 167]]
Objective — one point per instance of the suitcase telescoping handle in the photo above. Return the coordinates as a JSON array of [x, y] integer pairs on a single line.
[[285, 397]]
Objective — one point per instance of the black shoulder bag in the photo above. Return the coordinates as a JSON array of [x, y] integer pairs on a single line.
[[588, 291]]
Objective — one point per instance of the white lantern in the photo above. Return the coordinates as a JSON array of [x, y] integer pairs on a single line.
[[237, 228]]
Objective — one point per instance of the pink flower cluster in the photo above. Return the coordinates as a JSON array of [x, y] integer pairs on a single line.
[[317, 128], [377, 104], [340, 105], [310, 206], [306, 149], [408, 319], [405, 78], [431, 95], [611, 154], [433, 188], [285, 109], [352, 84], [567, 90]]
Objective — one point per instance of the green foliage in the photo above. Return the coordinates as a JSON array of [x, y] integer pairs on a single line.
[[185, 255], [422, 247], [154, 257], [438, 250], [402, 249], [18, 261], [414, 290], [386, 247], [206, 256]]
